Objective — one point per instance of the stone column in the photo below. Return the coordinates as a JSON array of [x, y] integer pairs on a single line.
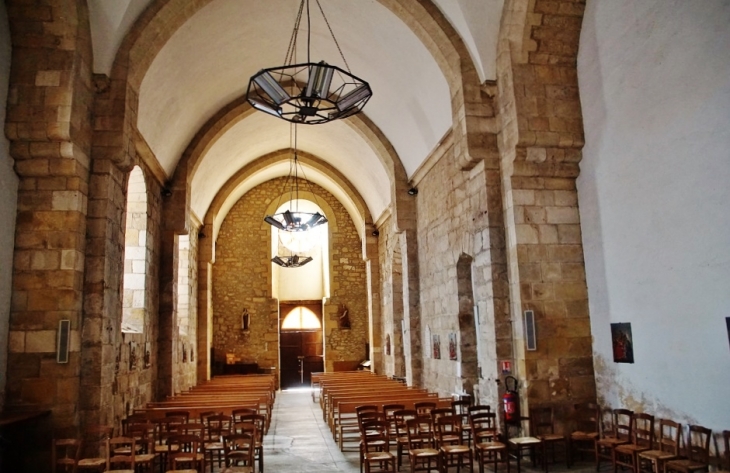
[[48, 104], [412, 309], [540, 147]]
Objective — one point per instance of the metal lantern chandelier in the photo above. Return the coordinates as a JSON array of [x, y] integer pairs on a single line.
[[293, 220], [309, 93]]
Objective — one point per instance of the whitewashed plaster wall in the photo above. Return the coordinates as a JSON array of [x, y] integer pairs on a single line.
[[655, 202], [8, 203]]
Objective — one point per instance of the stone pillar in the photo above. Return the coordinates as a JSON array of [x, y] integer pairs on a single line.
[[375, 318], [541, 146], [48, 104], [412, 309]]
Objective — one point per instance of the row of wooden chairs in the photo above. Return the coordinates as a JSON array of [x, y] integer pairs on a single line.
[[641, 443], [183, 454], [152, 439]]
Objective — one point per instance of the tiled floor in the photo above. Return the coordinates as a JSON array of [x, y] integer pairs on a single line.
[[300, 441]]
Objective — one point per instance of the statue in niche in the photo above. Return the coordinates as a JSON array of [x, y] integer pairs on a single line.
[[387, 345], [184, 354], [344, 319], [132, 356], [147, 355], [245, 320]]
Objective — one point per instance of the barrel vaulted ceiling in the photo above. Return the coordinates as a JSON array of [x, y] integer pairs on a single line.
[[207, 62]]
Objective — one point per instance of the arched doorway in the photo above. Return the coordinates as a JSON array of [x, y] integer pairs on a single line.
[[301, 346]]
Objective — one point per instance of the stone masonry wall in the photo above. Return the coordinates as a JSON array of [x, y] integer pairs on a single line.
[[242, 279], [453, 221]]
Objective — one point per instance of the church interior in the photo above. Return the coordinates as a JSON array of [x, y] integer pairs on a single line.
[[535, 189]]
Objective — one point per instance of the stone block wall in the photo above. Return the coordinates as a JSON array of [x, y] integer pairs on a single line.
[[453, 222], [242, 279]]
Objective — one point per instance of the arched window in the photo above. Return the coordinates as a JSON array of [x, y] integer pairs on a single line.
[[135, 254], [301, 318]]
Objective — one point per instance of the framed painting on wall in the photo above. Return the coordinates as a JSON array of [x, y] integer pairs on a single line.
[[727, 322], [622, 343], [452, 346], [436, 347]]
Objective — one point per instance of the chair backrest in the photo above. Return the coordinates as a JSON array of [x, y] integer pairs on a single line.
[[239, 449], [424, 407], [179, 413], [670, 436], [204, 415], [142, 434], [194, 428], [542, 420], [377, 434], [643, 432], [120, 451], [66, 454], [182, 448], [440, 412], [447, 426], [217, 425], [419, 432], [587, 417], [242, 411], [483, 426], [698, 444], [623, 424], [389, 409], [401, 417], [245, 427], [365, 408], [258, 420], [726, 454]]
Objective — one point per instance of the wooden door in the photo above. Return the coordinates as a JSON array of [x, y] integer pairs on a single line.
[[301, 354]]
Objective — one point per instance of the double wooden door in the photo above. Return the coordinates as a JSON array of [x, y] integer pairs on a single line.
[[301, 354]]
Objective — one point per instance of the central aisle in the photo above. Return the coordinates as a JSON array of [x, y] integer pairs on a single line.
[[300, 441]]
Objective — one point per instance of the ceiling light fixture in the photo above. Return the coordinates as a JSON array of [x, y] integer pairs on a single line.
[[293, 220], [309, 93]]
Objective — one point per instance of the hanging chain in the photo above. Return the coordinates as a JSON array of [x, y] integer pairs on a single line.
[[333, 37], [291, 50]]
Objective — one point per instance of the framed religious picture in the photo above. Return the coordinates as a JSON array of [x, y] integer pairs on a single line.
[[727, 322], [452, 346], [622, 343], [437, 347]]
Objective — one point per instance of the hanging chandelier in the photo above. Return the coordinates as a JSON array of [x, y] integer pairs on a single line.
[[293, 220], [309, 93]]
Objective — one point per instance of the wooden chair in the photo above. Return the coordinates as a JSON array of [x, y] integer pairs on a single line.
[[376, 454], [725, 458], [421, 455], [460, 408], [586, 430], [217, 425], [698, 452], [143, 434], [184, 451], [65, 455], [94, 443], [667, 447], [642, 440], [259, 422], [389, 410], [619, 434], [401, 431], [239, 452], [487, 448], [524, 442], [364, 420], [542, 422], [120, 452], [454, 452]]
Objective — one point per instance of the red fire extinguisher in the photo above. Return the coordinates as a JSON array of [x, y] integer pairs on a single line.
[[511, 400]]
